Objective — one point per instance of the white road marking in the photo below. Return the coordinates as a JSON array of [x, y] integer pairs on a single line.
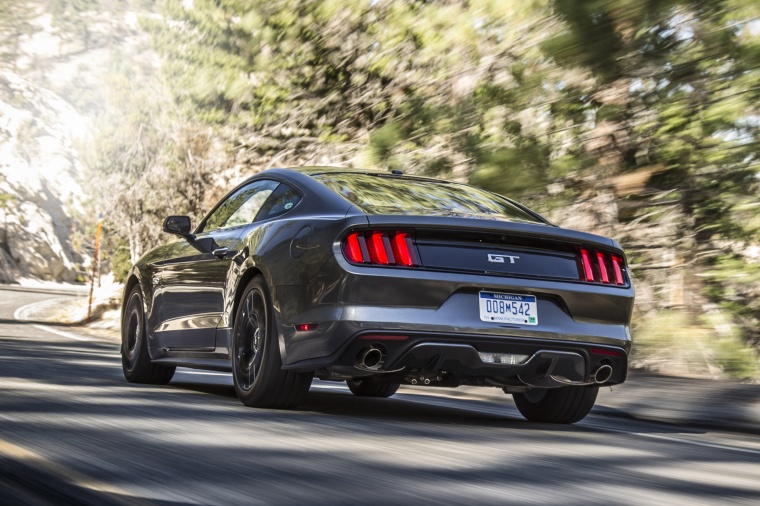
[[20, 315], [61, 333]]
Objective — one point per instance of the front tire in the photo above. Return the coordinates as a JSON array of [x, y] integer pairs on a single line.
[[367, 387], [568, 404], [135, 361], [256, 363]]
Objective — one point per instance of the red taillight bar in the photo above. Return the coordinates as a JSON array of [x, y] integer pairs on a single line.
[[602, 268], [616, 263], [594, 267], [353, 249], [377, 252], [381, 248], [402, 246], [586, 263]]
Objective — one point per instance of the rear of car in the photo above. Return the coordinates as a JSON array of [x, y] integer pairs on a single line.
[[445, 284]]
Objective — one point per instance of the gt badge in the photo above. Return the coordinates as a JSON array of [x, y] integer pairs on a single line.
[[500, 259]]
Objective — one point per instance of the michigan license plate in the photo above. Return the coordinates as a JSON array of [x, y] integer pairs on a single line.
[[508, 308]]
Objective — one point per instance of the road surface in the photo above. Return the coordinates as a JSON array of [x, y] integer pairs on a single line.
[[73, 431]]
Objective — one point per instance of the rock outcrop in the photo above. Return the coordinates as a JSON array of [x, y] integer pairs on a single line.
[[39, 192]]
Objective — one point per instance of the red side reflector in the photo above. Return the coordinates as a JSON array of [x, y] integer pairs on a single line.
[[383, 337], [602, 351], [401, 249], [376, 247], [602, 267], [616, 263], [586, 262], [302, 327], [353, 249]]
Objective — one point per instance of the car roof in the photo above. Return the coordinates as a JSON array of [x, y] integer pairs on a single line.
[[317, 170]]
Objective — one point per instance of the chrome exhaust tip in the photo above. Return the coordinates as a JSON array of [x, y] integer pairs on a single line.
[[602, 374], [370, 358]]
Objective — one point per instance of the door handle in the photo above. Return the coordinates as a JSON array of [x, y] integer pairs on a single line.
[[224, 253]]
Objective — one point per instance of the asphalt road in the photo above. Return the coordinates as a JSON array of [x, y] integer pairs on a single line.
[[73, 431]]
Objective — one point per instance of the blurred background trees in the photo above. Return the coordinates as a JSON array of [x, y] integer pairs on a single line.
[[632, 118]]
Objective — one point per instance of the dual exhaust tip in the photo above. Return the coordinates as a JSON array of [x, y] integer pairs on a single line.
[[602, 374], [371, 358]]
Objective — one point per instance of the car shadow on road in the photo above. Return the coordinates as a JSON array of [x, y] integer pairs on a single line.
[[97, 365], [402, 408], [411, 408]]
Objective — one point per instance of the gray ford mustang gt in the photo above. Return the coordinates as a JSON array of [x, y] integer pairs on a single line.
[[381, 279]]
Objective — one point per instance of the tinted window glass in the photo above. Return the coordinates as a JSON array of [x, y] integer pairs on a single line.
[[241, 207], [282, 200], [398, 195]]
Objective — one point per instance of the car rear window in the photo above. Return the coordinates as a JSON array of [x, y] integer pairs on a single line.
[[381, 194]]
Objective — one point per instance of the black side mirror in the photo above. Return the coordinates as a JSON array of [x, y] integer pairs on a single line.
[[178, 225]]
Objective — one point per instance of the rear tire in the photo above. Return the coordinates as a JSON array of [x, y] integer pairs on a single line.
[[256, 363], [568, 404], [367, 387], [135, 361]]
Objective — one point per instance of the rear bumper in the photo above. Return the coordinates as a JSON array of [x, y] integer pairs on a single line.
[[539, 362], [458, 316], [438, 313]]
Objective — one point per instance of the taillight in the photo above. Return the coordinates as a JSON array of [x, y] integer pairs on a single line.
[[378, 253], [600, 267], [380, 247], [402, 251], [587, 274], [353, 249], [600, 261]]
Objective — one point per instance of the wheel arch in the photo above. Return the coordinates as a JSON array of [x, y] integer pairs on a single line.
[[131, 282], [246, 278]]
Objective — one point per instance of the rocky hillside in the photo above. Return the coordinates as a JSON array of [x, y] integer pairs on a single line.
[[39, 192]]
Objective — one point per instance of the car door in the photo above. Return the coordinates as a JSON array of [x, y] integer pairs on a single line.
[[193, 282]]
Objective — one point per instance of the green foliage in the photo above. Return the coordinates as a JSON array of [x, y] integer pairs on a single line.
[[383, 140], [734, 284], [6, 198], [121, 262], [672, 341]]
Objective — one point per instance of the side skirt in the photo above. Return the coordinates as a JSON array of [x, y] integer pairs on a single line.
[[211, 364]]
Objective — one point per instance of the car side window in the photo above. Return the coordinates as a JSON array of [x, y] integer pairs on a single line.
[[241, 207], [282, 200]]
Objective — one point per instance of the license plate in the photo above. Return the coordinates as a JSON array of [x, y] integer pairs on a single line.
[[508, 308]]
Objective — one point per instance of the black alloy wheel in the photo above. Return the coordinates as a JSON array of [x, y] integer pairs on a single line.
[[135, 360], [248, 344], [256, 363]]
